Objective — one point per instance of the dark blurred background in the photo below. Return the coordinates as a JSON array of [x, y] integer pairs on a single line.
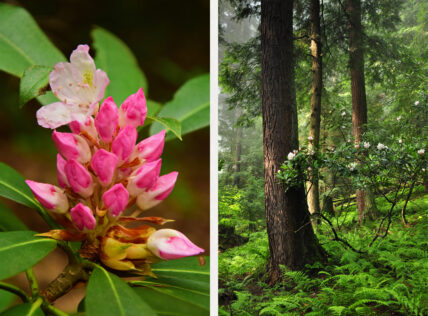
[[170, 39]]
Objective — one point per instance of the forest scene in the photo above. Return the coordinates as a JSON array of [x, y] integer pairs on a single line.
[[323, 183]]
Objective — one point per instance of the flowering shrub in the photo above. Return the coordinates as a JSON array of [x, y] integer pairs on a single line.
[[107, 178]]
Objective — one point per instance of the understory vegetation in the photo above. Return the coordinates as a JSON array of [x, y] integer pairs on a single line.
[[389, 278]]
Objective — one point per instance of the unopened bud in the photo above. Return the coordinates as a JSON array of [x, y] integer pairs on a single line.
[[79, 178], [171, 244], [72, 146], [82, 217], [50, 196]]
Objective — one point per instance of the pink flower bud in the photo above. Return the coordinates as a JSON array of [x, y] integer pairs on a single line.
[[116, 199], [158, 192], [82, 217], [50, 196], [60, 165], [79, 178], [87, 126], [104, 165], [144, 177], [107, 119], [133, 110], [124, 143], [171, 244], [72, 146], [151, 148]]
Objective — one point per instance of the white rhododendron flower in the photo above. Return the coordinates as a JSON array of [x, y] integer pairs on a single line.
[[366, 145], [381, 146], [343, 114], [310, 138], [400, 141], [79, 86], [352, 166], [416, 103], [399, 118], [421, 151], [291, 156]]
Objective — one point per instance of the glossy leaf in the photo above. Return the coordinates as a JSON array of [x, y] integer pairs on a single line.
[[153, 108], [34, 82], [23, 43], [183, 283], [20, 250], [117, 60], [26, 309], [107, 294], [8, 220], [190, 106], [13, 187], [169, 124], [6, 298]]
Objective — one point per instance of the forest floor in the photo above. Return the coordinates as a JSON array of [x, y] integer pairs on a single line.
[[389, 278]]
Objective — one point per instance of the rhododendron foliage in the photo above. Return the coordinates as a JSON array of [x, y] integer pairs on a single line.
[[103, 172]]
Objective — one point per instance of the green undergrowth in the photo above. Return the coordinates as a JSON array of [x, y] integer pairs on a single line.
[[390, 278]]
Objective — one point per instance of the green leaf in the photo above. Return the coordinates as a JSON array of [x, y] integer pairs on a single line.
[[20, 250], [183, 283], [26, 309], [47, 98], [13, 187], [33, 83], [107, 294], [6, 298], [23, 43], [153, 108], [190, 106], [8, 220], [121, 66], [170, 124]]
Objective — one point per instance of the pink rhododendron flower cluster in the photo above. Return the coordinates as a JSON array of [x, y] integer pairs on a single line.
[[103, 171]]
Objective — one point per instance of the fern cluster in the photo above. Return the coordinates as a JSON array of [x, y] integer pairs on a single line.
[[391, 277]]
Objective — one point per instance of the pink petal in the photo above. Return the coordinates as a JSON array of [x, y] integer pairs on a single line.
[[151, 148], [82, 217], [171, 244], [116, 199], [60, 165], [144, 177], [107, 119], [50, 196], [72, 146], [79, 178], [124, 143], [133, 110], [104, 165]]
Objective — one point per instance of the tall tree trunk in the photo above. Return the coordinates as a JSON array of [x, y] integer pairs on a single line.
[[238, 151], [315, 121], [292, 241], [365, 199]]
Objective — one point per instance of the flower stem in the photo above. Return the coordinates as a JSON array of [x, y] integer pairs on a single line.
[[15, 290], [53, 310], [32, 280]]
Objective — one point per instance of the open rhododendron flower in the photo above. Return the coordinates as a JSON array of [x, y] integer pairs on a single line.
[[103, 172], [78, 85]]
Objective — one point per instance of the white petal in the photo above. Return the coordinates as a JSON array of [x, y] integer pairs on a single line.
[[101, 81], [81, 59], [54, 115]]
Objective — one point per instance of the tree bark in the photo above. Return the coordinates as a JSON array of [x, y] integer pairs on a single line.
[[358, 90], [315, 120], [292, 241]]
